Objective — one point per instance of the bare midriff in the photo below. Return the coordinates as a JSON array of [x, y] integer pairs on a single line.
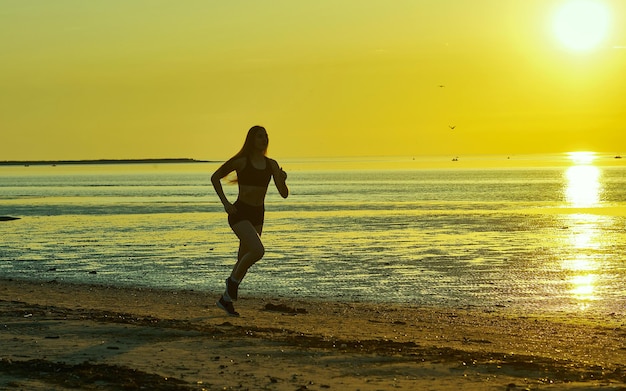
[[252, 195]]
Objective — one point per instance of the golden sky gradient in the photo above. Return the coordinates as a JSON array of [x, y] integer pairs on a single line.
[[149, 78]]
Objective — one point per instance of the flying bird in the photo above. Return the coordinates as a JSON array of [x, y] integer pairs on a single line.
[[452, 127]]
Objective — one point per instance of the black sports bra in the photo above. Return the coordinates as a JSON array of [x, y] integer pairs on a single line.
[[250, 176]]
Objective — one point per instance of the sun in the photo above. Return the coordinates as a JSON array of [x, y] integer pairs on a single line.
[[581, 25]]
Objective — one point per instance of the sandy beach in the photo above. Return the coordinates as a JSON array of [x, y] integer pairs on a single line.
[[61, 336]]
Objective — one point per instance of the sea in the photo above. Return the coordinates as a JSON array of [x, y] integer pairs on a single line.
[[531, 234]]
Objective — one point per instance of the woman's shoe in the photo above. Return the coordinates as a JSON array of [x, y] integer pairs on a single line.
[[227, 306]]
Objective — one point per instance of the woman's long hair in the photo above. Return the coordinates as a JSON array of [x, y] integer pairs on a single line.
[[246, 150]]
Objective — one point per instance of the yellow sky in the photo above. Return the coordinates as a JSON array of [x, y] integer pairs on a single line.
[[149, 78]]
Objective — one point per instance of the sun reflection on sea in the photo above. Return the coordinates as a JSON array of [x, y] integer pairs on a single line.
[[583, 186], [583, 288], [584, 232], [583, 280], [583, 189]]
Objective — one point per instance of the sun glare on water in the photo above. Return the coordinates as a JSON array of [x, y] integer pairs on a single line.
[[582, 157], [583, 192], [583, 183], [581, 25]]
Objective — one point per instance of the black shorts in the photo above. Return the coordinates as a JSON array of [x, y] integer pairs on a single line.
[[254, 214]]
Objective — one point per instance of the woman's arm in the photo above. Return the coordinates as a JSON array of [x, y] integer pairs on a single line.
[[280, 178], [220, 173]]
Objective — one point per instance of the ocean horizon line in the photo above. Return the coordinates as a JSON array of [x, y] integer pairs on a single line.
[[406, 161], [100, 161]]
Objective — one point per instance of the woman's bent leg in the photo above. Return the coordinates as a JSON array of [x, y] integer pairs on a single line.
[[250, 251], [251, 248]]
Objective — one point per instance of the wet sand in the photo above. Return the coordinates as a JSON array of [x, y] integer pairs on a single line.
[[62, 336]]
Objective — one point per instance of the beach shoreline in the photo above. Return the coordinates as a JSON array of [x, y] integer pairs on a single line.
[[71, 336]]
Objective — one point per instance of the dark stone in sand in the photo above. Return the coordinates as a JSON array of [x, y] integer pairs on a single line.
[[284, 308]]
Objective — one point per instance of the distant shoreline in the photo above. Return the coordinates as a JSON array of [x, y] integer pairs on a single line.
[[98, 161]]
